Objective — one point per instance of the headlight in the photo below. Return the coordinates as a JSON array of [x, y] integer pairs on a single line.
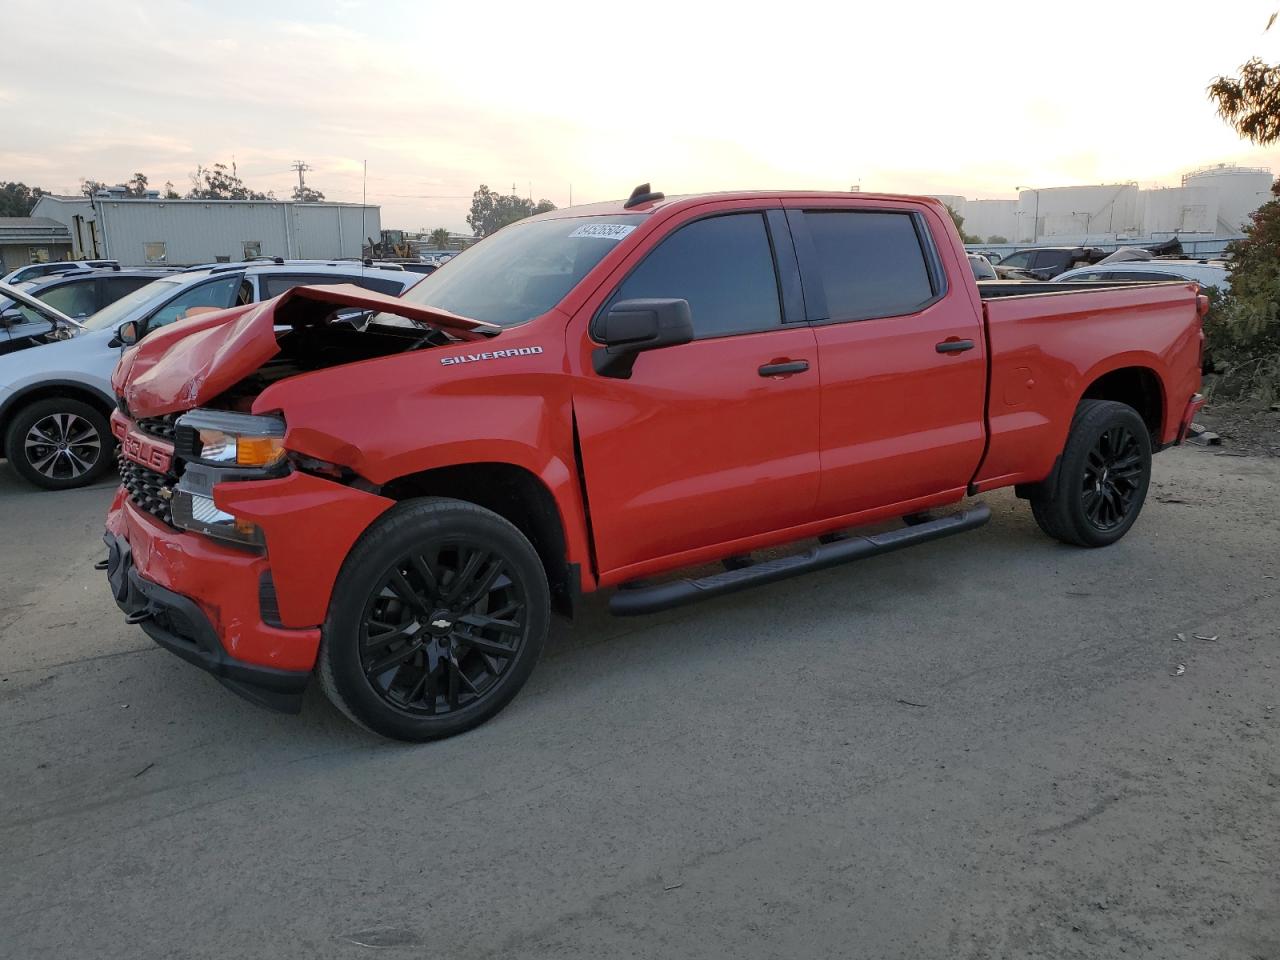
[[230, 439], [193, 509], [218, 446]]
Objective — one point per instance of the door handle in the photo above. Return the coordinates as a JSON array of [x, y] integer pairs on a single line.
[[783, 368], [954, 346]]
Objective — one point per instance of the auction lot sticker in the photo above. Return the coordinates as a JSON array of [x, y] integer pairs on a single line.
[[603, 231]]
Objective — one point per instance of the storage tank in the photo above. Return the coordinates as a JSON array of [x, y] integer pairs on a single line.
[[1110, 208], [1179, 210], [1239, 191]]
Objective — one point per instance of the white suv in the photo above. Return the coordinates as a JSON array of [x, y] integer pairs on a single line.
[[55, 399]]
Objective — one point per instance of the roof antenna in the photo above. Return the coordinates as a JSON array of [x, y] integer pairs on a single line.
[[642, 194]]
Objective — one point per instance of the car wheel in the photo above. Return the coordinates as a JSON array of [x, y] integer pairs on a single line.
[[1102, 479], [436, 621], [59, 443]]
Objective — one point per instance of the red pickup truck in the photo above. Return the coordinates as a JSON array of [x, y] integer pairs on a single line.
[[397, 493]]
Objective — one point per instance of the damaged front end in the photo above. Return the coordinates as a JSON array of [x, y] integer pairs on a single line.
[[222, 544]]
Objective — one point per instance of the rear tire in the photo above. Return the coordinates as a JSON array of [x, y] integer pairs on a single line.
[[1102, 477], [59, 443], [436, 621]]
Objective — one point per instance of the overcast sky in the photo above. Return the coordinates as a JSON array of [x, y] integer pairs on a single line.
[[937, 97]]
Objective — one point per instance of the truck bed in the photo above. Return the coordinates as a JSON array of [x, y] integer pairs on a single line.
[[1048, 341], [990, 289]]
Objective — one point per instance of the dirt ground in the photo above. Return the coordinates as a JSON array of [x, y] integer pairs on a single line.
[[990, 746], [1245, 427]]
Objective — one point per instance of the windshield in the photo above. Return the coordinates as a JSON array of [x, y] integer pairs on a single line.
[[521, 271], [120, 311]]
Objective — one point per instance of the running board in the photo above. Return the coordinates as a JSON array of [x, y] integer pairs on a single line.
[[676, 593]]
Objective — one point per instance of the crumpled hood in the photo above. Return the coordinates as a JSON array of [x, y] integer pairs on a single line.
[[190, 362]]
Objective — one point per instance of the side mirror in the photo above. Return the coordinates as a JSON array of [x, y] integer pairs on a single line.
[[11, 318], [633, 326], [126, 334]]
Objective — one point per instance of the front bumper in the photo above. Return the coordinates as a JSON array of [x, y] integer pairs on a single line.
[[206, 602], [179, 625]]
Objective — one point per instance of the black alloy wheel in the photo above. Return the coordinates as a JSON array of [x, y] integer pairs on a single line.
[[1113, 475], [436, 620], [442, 627], [1102, 478]]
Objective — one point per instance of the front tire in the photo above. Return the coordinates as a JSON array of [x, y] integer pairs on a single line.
[[436, 621], [1102, 478], [59, 443]]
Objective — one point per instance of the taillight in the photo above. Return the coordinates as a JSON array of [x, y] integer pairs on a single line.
[[1202, 306]]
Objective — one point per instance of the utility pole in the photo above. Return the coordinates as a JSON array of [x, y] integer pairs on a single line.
[[302, 167]]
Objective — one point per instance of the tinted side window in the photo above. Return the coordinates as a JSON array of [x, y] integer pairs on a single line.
[[1053, 260], [380, 284], [113, 288], [1017, 260], [723, 266], [212, 295], [277, 283], [74, 299], [872, 264]]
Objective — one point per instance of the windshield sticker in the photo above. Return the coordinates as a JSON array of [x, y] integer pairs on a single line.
[[603, 231]]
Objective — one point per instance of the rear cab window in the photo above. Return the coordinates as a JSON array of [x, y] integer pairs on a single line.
[[872, 263]]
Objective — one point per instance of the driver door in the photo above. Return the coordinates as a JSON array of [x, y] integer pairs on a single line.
[[701, 445]]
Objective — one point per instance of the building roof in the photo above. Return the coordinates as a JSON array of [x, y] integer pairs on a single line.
[[32, 230]]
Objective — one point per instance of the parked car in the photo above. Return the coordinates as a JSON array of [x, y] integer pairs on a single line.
[[1045, 263], [597, 396], [65, 382], [79, 293], [1207, 273], [982, 269], [35, 271]]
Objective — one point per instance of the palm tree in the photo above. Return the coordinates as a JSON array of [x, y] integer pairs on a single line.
[[440, 238]]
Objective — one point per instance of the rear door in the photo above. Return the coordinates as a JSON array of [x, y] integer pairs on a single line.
[[901, 351], [702, 446]]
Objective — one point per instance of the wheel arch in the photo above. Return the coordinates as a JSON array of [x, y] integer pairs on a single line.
[[1137, 385], [51, 389], [515, 493]]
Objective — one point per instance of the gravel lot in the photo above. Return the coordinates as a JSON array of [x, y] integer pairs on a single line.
[[977, 748]]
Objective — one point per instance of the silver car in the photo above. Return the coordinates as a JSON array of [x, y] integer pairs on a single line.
[[55, 372]]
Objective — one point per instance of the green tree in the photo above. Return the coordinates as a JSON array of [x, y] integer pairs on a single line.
[[439, 238], [220, 182], [959, 222], [17, 199], [169, 192], [996, 238], [1242, 330], [137, 187], [491, 211], [90, 187], [307, 195], [1251, 101]]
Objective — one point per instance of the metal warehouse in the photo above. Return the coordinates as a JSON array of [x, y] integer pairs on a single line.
[[148, 230]]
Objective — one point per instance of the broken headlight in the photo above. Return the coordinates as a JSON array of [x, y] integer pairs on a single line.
[[218, 446], [230, 439]]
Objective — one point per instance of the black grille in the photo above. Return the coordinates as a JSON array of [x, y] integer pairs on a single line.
[[162, 427], [148, 489]]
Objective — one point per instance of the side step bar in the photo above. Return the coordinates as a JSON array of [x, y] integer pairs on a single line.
[[676, 593]]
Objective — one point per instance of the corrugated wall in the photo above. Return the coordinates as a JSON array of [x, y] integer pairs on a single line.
[[202, 231]]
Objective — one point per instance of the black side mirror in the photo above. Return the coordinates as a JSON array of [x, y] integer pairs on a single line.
[[126, 334], [633, 326]]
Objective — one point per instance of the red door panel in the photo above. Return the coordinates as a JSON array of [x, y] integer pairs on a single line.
[[899, 419], [697, 448]]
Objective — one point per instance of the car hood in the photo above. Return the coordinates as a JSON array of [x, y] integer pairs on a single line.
[[192, 361]]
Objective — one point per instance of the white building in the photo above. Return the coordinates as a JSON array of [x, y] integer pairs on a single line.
[[139, 231], [1212, 205]]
